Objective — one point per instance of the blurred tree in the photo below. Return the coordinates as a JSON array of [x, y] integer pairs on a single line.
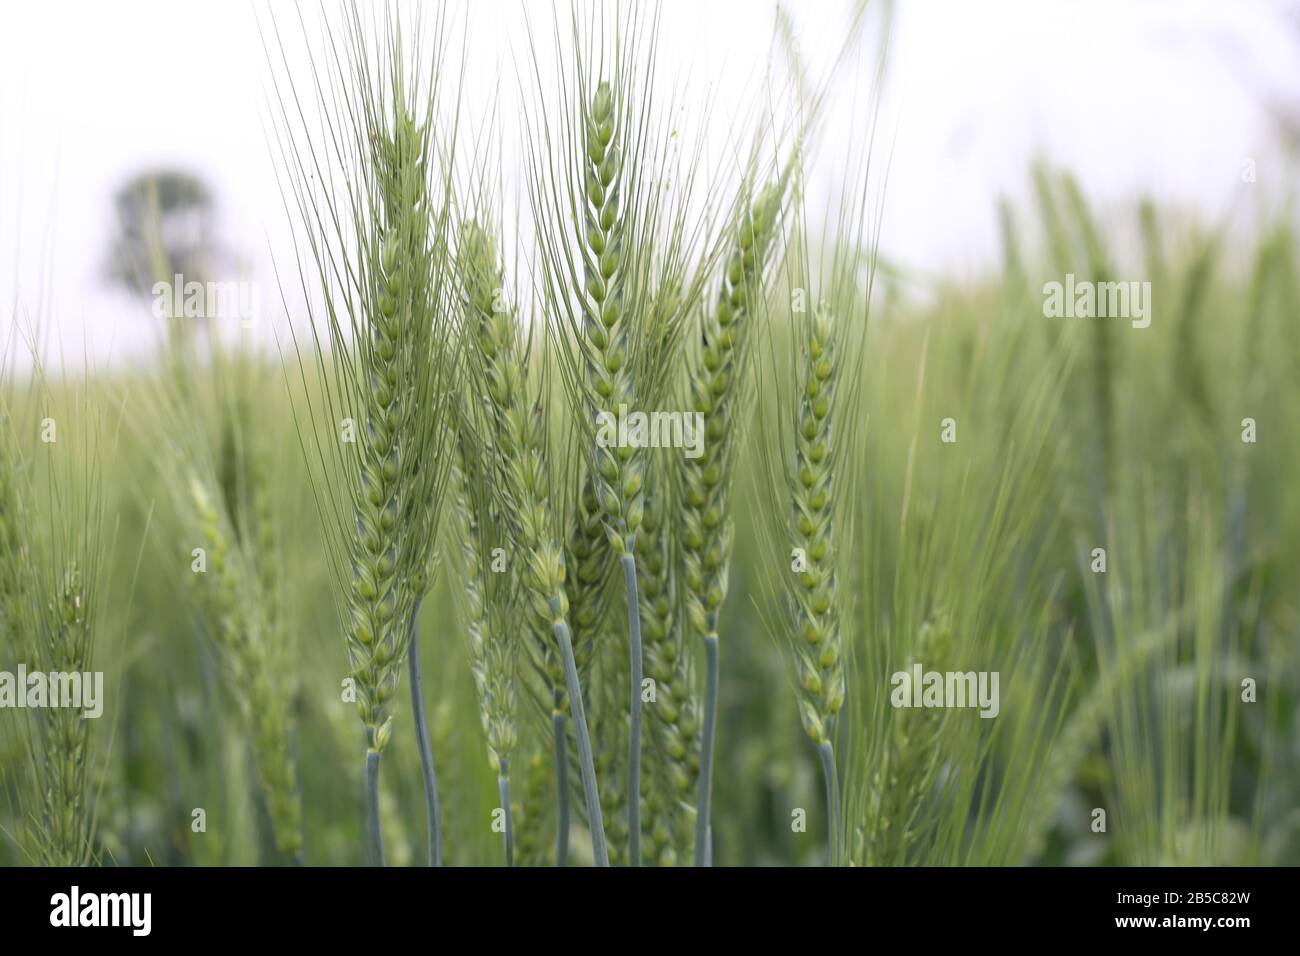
[[165, 221]]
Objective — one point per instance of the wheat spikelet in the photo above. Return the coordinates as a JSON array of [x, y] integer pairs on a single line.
[[587, 558]]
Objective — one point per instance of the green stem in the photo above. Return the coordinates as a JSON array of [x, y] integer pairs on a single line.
[[599, 851], [832, 799], [422, 740], [560, 724], [634, 740], [503, 787], [374, 834], [703, 831]]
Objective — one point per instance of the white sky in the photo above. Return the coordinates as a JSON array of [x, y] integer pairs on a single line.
[[1159, 97]]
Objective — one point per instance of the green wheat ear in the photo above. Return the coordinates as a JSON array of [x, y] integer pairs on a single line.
[[517, 429], [909, 759], [67, 733], [517, 437], [717, 385], [819, 665], [675, 721], [616, 233], [491, 601], [237, 604], [52, 586], [376, 241], [492, 647], [382, 563], [606, 318], [607, 322]]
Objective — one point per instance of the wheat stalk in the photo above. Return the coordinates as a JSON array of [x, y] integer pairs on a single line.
[[342, 731], [378, 255], [518, 435], [716, 384], [812, 406]]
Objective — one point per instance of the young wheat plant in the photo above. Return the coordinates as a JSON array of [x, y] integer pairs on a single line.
[[612, 242], [378, 257], [52, 512], [498, 364], [718, 381], [816, 436]]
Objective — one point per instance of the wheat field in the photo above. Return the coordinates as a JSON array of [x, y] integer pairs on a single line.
[[640, 516]]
